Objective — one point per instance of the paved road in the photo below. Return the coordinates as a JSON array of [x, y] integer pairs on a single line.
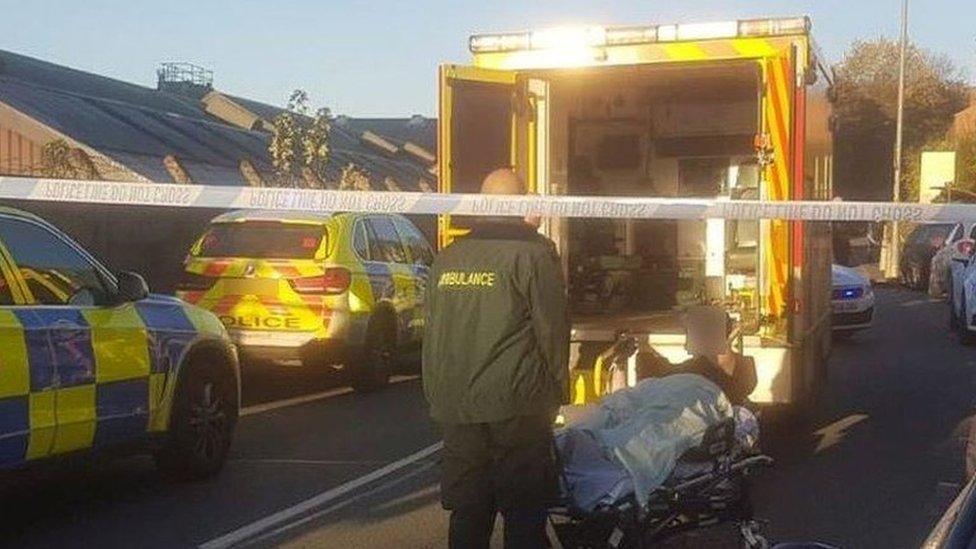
[[885, 462], [285, 451], [904, 388]]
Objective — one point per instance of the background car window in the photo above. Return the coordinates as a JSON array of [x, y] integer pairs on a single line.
[[414, 240], [930, 235], [55, 272], [385, 242], [260, 239], [360, 242]]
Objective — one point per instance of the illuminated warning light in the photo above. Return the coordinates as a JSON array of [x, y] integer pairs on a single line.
[[597, 36], [848, 293]]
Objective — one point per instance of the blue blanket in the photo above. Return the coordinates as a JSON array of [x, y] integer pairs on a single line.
[[631, 441]]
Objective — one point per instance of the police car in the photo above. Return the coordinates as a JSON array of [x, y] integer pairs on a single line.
[[320, 288], [93, 361], [852, 300]]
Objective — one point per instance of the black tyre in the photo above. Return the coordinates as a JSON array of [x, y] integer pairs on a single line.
[[410, 359], [202, 424], [375, 362]]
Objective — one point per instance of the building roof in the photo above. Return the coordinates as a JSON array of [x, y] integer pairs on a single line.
[[419, 130], [416, 129], [138, 127], [49, 75]]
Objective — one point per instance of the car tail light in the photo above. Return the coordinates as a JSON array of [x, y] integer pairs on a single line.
[[335, 280], [195, 282]]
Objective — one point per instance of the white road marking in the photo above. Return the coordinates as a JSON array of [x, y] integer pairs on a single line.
[[285, 516], [834, 433], [304, 399], [275, 461], [341, 505]]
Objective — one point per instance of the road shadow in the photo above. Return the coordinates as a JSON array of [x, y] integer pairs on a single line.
[[266, 381]]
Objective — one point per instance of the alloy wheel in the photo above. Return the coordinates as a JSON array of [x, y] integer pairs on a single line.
[[207, 420]]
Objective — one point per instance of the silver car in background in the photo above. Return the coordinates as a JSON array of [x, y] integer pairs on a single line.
[[941, 265]]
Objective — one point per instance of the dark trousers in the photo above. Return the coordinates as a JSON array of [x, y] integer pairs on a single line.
[[507, 467]]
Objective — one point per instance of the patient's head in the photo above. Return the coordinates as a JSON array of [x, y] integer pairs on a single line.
[[706, 331]]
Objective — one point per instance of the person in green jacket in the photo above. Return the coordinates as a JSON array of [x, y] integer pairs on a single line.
[[495, 371]]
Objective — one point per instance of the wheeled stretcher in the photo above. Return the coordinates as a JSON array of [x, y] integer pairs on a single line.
[[709, 486]]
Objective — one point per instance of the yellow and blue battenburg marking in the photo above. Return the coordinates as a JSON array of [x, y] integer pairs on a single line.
[[73, 379]]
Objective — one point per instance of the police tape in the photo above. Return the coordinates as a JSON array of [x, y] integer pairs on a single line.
[[287, 199]]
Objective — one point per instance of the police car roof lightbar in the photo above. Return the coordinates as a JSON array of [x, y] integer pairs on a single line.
[[596, 36]]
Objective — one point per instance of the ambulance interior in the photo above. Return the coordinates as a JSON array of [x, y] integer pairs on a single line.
[[662, 131]]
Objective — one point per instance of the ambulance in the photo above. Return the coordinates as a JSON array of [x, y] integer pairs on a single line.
[[735, 110]]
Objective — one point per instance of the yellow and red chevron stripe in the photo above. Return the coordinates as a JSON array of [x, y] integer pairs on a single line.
[[777, 72]]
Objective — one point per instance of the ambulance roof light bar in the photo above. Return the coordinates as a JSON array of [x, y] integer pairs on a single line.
[[589, 37]]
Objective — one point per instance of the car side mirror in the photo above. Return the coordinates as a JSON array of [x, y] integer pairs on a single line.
[[132, 287]]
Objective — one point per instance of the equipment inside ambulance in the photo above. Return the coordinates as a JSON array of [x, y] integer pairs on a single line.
[[722, 111]]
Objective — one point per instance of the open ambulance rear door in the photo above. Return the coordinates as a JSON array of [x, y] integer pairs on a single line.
[[489, 119]]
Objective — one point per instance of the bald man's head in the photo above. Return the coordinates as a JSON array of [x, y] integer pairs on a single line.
[[502, 181]]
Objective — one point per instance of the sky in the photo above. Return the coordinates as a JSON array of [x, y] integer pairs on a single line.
[[380, 57]]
